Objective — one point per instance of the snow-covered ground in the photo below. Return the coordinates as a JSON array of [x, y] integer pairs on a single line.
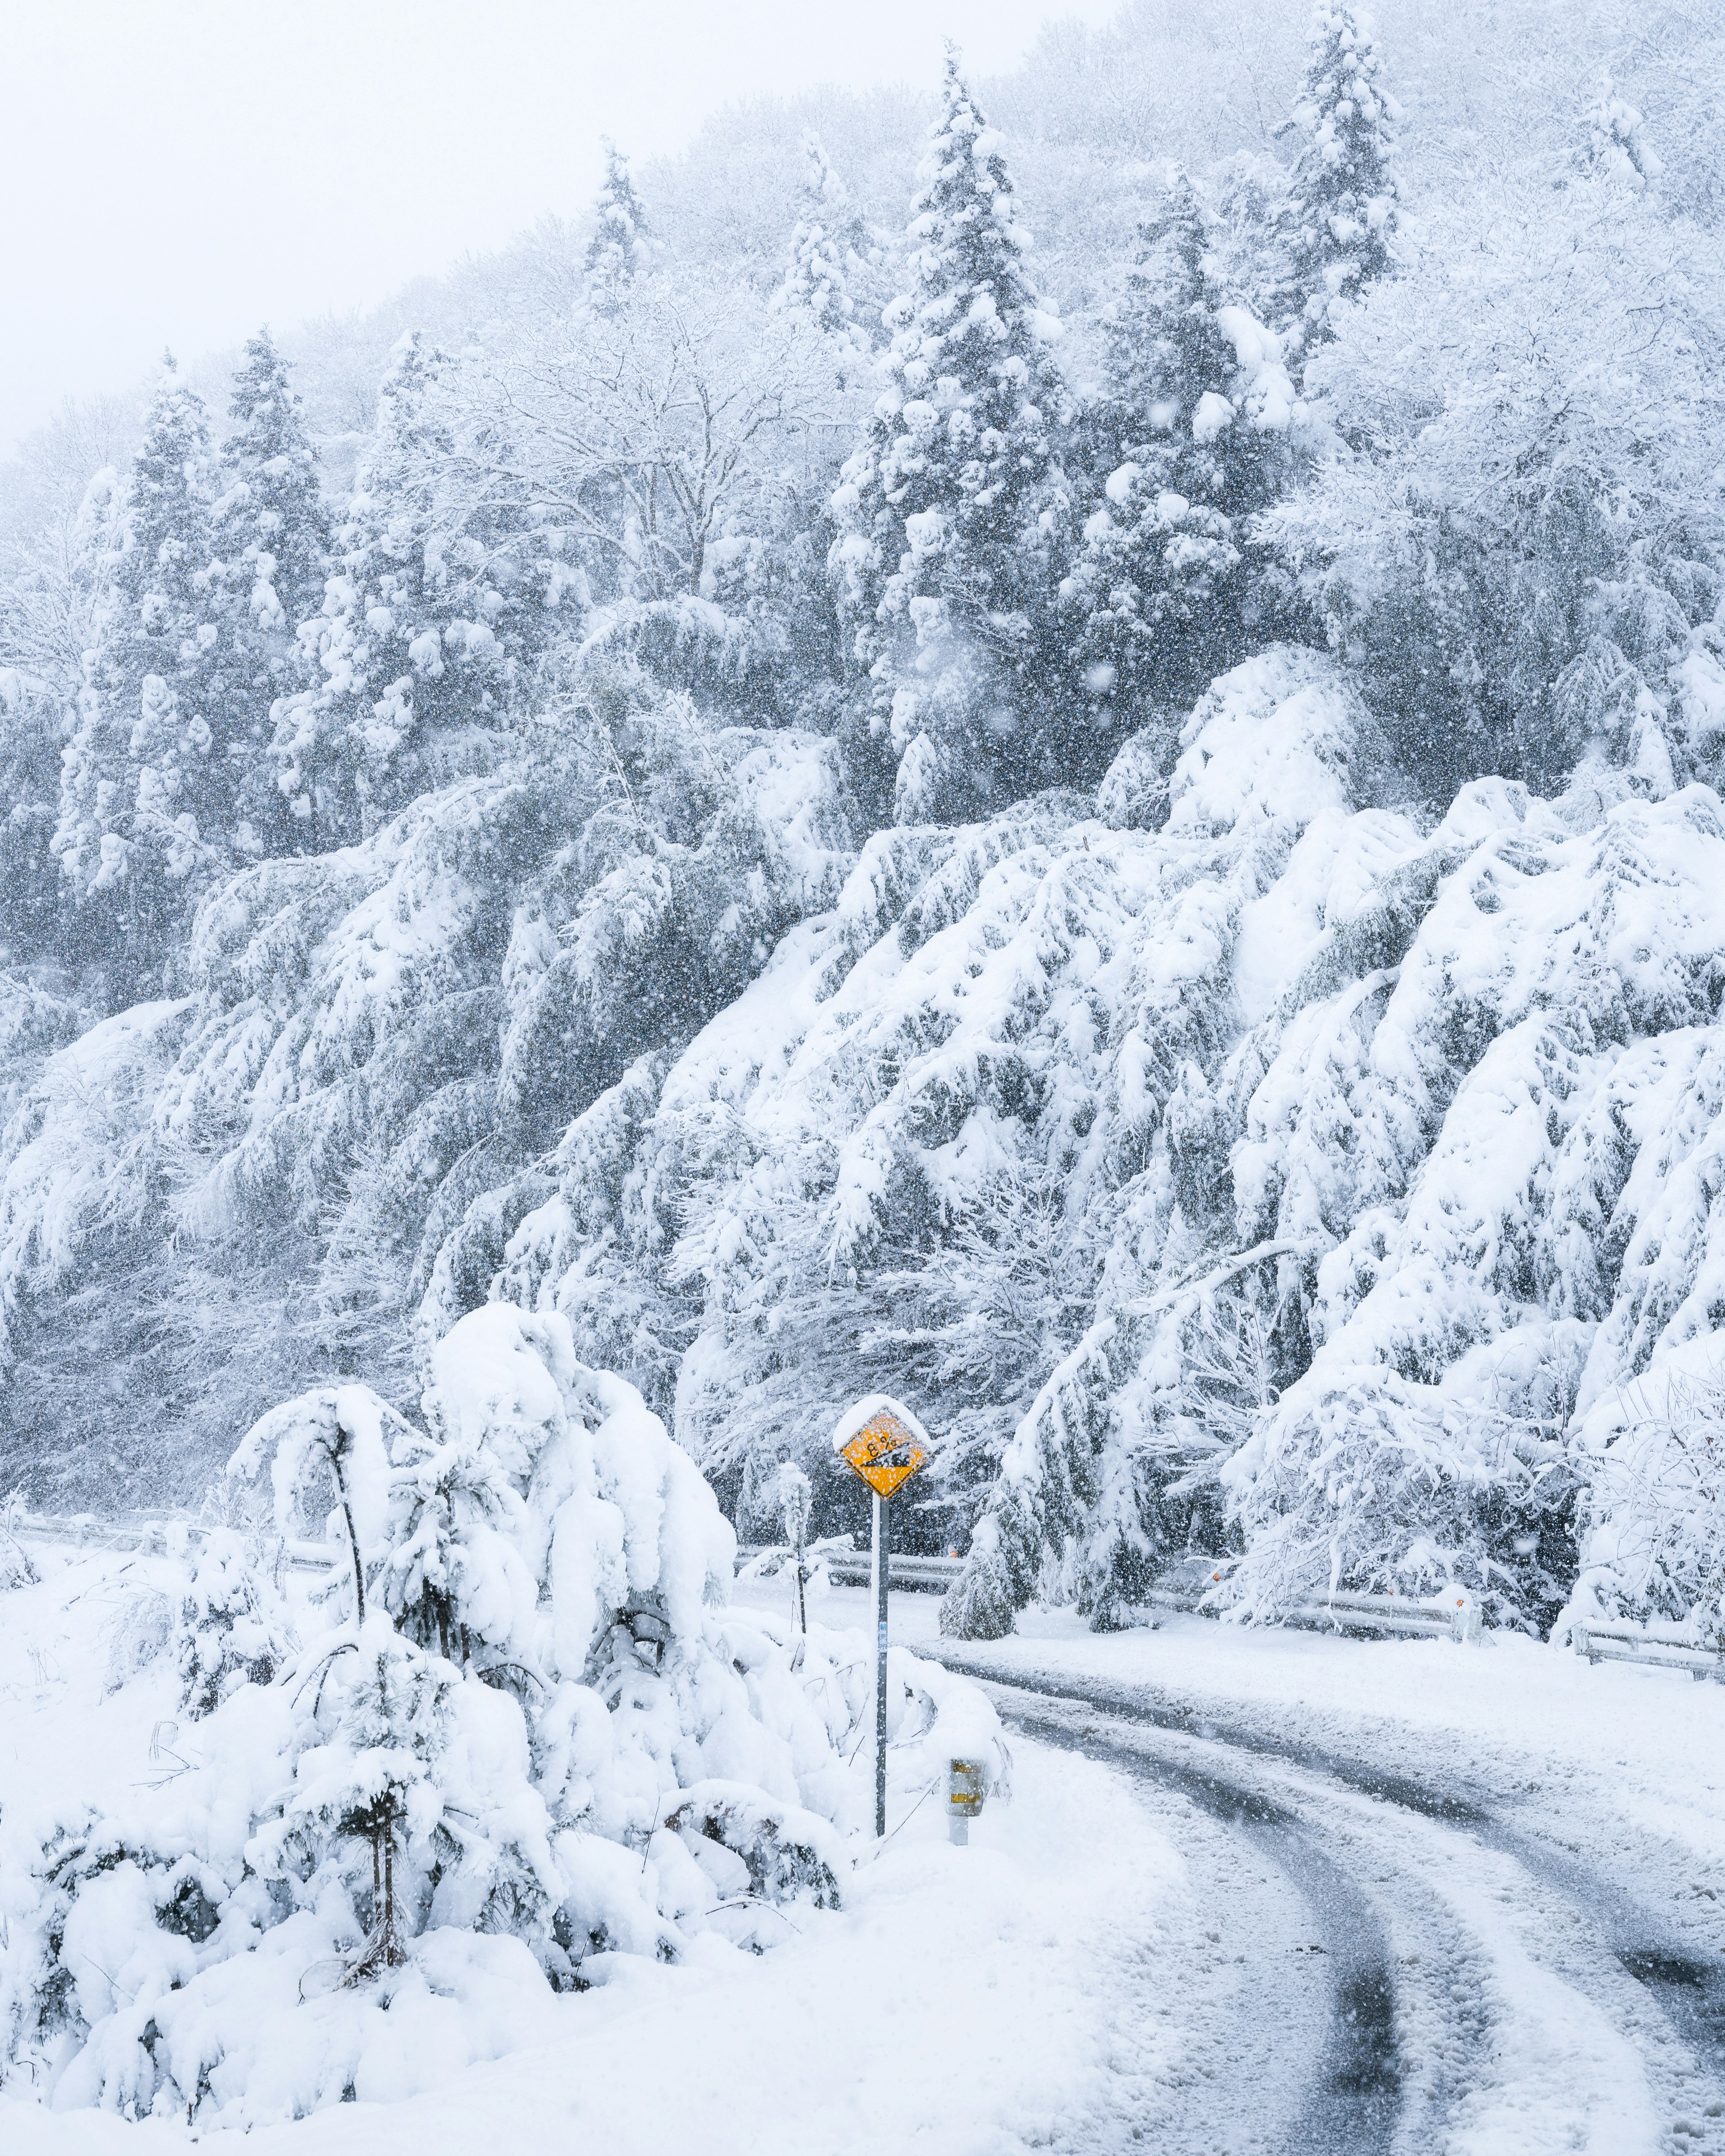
[[1513, 1862], [979, 2000]]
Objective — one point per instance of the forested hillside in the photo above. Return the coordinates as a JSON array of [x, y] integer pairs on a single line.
[[1116, 833]]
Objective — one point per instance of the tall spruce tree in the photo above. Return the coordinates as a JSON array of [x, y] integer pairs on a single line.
[[1159, 581], [952, 508], [440, 596], [142, 779], [621, 241], [827, 245], [271, 538], [1341, 212]]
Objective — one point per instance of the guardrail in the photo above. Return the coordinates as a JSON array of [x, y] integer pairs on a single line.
[[927, 1575], [161, 1532], [1453, 1613], [1641, 1643], [154, 1533], [130, 1532]]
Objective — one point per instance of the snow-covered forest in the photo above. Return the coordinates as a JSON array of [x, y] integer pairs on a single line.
[[1049, 746]]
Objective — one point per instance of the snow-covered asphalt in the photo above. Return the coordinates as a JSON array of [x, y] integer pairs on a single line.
[[1495, 1976]]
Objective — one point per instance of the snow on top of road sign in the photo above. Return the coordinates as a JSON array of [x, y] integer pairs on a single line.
[[858, 1419]]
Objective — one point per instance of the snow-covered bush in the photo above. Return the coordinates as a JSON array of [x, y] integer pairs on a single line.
[[1653, 1541], [232, 1627], [531, 1735], [17, 1568]]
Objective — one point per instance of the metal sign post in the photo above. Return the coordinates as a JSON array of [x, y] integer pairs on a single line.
[[885, 1444], [882, 1567]]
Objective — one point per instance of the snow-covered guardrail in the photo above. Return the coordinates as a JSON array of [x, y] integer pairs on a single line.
[[1451, 1614], [148, 1532], [162, 1531], [130, 1532], [926, 1575], [1651, 1644]]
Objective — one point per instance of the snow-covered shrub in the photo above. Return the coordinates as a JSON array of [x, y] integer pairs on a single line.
[[232, 1627], [1653, 1542], [531, 1735], [17, 1568], [141, 1630]]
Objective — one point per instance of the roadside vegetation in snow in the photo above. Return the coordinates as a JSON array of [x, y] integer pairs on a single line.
[[512, 1731]]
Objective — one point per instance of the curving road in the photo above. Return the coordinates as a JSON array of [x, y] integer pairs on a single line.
[[1382, 1963]]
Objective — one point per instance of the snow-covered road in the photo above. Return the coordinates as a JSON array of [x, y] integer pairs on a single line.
[[1269, 1893], [1501, 1970]]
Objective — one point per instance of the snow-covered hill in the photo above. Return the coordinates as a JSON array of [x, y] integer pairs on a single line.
[[1218, 1159]]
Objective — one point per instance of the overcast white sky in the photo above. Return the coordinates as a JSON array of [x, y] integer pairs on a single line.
[[176, 172]]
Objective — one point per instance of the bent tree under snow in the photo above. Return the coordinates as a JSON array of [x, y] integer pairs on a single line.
[[518, 1730]]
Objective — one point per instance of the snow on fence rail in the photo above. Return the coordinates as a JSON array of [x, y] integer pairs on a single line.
[[164, 1531], [1654, 1645], [149, 1532], [133, 1531], [920, 1574], [1453, 1613]]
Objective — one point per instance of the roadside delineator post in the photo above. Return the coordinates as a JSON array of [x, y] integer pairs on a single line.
[[1464, 1615], [966, 1784], [882, 1441]]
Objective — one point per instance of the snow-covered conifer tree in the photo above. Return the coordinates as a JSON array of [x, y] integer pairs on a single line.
[[270, 532], [949, 509], [143, 777], [1157, 585], [826, 245], [232, 1629], [1342, 195], [439, 591], [621, 240]]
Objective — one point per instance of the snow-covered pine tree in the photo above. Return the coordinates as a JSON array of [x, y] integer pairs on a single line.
[[439, 592], [232, 1629], [368, 1776], [827, 243], [271, 536], [1341, 212], [1158, 585], [951, 509], [621, 240], [142, 780]]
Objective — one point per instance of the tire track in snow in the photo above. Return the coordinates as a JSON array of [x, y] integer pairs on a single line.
[[1346, 2093], [1545, 2009]]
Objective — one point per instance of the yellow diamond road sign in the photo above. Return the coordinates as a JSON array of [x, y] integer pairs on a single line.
[[885, 1452]]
